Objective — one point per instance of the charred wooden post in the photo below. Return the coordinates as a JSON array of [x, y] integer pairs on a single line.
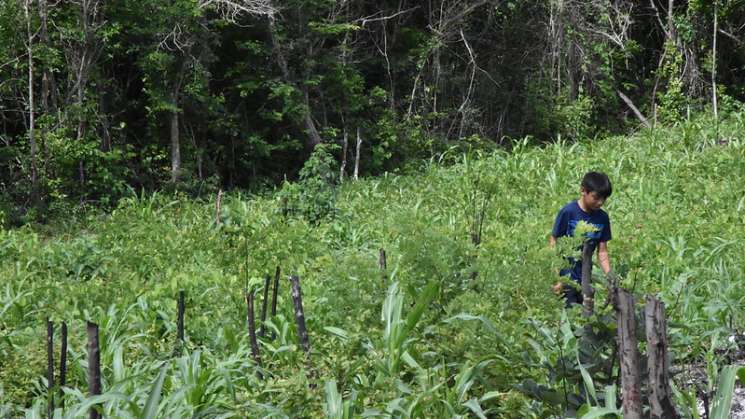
[[264, 304], [94, 367], [660, 396], [302, 332], [297, 300], [274, 295], [180, 321], [628, 355], [252, 331], [50, 368], [588, 293], [383, 265], [63, 363]]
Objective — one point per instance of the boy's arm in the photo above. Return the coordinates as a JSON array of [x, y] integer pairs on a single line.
[[552, 241], [603, 257]]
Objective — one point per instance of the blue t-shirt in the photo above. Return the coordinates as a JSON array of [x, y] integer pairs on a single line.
[[566, 221]]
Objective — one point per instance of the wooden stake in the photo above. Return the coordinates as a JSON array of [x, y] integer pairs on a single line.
[[660, 396], [382, 264], [302, 332], [264, 305], [50, 368], [180, 324], [381, 260], [252, 331], [628, 355], [63, 364], [274, 295], [94, 367], [588, 293]]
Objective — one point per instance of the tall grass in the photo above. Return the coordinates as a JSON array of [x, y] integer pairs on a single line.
[[678, 233]]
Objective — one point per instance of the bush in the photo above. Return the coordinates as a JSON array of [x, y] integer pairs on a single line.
[[313, 196]]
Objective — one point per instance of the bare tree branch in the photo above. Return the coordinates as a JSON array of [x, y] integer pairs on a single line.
[[363, 21], [231, 10]]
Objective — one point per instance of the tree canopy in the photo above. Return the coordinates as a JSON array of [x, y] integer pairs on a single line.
[[97, 98]]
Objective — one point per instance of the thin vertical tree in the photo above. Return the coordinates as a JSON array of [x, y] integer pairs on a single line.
[[33, 149]]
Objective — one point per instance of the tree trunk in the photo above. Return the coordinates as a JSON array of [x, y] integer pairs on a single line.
[[357, 155], [175, 142], [48, 85], [313, 138], [628, 355], [634, 109], [31, 115], [660, 396], [310, 127], [94, 367], [344, 151], [105, 127], [714, 68]]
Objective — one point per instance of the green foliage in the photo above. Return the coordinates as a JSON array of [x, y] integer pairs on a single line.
[[423, 338], [313, 196], [725, 388]]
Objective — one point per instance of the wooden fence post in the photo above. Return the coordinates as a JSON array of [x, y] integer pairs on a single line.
[[297, 300], [628, 355], [50, 368], [383, 265], [63, 364], [94, 367], [252, 331], [264, 305], [661, 400], [180, 321], [274, 295], [588, 293], [302, 332]]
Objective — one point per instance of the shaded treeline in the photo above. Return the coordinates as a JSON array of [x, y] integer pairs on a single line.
[[97, 97]]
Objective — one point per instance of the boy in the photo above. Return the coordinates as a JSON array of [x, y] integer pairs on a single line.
[[595, 189]]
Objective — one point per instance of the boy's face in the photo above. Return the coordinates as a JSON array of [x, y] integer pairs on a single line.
[[591, 200]]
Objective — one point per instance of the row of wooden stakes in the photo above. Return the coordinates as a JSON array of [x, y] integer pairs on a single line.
[[94, 352]]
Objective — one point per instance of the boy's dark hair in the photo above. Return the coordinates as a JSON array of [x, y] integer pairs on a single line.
[[597, 182]]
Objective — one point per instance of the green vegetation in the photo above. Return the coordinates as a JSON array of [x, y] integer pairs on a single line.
[[99, 98], [426, 338]]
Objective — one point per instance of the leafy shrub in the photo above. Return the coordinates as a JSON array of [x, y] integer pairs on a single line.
[[313, 196]]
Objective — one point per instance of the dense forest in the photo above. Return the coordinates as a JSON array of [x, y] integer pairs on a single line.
[[102, 98]]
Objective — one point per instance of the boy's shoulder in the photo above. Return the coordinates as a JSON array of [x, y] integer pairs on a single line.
[[570, 206], [573, 208]]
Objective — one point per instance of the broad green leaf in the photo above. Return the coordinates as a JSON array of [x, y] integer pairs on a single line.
[[475, 407], [151, 407], [725, 389]]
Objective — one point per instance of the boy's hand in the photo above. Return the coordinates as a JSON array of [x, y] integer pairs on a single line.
[[557, 288]]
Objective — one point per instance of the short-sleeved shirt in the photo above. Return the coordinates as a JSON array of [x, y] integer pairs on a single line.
[[566, 221]]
